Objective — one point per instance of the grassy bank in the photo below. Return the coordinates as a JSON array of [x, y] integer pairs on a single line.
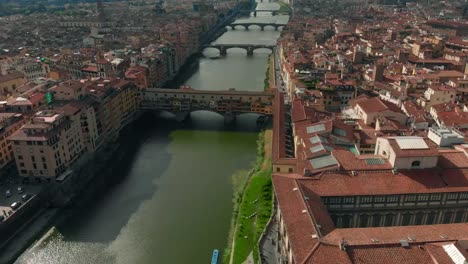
[[283, 7], [266, 82], [253, 203]]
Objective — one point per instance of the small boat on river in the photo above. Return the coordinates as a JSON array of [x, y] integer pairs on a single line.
[[215, 257]]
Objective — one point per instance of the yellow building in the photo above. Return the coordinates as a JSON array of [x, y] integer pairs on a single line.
[[11, 81], [48, 146], [437, 94], [9, 123]]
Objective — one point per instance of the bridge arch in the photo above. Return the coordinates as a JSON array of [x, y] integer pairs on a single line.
[[263, 48], [223, 48], [214, 48]]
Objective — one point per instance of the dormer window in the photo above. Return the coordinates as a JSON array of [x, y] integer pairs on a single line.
[[415, 164]]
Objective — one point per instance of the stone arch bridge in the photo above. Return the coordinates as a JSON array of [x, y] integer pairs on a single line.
[[262, 26], [248, 47], [227, 103]]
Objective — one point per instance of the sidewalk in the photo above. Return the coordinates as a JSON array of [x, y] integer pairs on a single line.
[[25, 237], [268, 251]]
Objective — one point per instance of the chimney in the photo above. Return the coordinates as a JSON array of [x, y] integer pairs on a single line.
[[343, 244]]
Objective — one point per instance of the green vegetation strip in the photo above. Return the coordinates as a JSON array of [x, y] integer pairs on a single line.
[[252, 210], [266, 82], [283, 7]]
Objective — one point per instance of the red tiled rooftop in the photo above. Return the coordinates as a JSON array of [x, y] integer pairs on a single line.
[[299, 225], [393, 234], [385, 182]]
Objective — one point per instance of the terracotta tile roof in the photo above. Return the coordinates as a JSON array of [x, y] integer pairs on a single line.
[[350, 162], [437, 252], [11, 76], [90, 68], [385, 182], [328, 254], [367, 136], [393, 234], [388, 254], [372, 105], [299, 225], [453, 159]]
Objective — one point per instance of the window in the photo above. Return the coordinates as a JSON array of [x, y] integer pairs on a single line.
[[20, 157], [423, 197], [335, 200], [452, 196], [346, 221], [418, 218], [366, 199], [348, 200], [376, 220], [278, 169], [416, 163], [435, 197], [448, 217], [392, 199], [459, 216], [431, 218], [410, 198], [363, 220], [406, 219], [389, 219], [379, 199]]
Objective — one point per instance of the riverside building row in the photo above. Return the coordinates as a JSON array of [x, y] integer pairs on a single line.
[[83, 116], [370, 133]]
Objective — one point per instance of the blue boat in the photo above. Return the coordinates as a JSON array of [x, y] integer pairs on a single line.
[[214, 258]]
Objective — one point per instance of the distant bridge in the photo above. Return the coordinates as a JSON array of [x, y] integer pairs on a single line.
[[248, 47], [262, 26], [273, 12], [227, 103]]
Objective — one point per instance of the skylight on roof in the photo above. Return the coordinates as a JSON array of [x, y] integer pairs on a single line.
[[411, 143], [315, 128], [455, 254], [322, 162], [339, 132], [318, 139], [375, 161]]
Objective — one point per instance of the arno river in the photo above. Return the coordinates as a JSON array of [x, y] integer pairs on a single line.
[[171, 202]]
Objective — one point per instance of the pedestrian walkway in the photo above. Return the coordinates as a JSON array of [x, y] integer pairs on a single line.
[[268, 250]]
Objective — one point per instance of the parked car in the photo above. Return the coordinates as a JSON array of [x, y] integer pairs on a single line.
[[20, 190], [7, 193], [15, 205], [25, 196]]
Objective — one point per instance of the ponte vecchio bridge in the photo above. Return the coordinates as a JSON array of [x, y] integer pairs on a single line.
[[262, 26], [248, 47], [227, 103]]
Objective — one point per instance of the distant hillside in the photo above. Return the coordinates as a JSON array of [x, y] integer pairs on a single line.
[[26, 7], [49, 2]]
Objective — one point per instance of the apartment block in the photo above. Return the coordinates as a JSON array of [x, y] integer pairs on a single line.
[[48, 146]]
